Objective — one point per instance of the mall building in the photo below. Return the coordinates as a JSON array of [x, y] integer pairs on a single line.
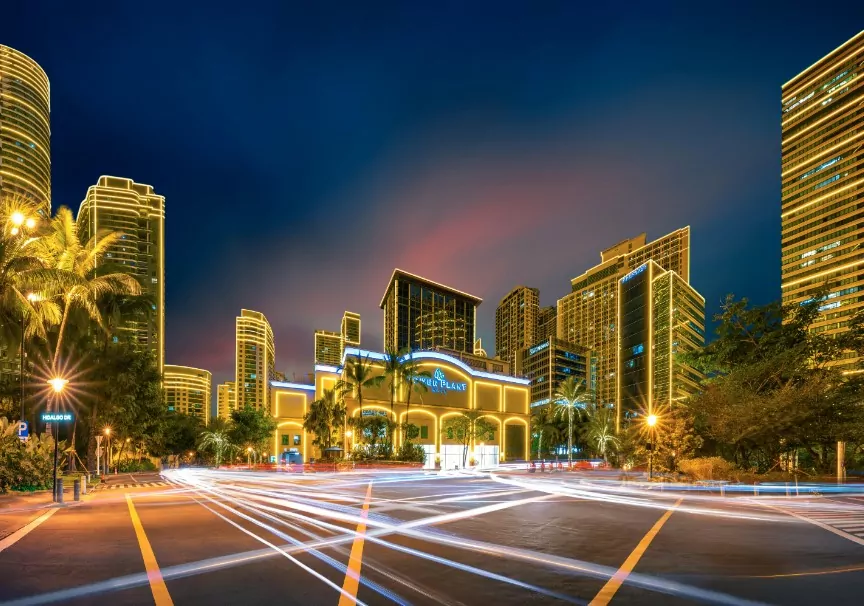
[[454, 387]]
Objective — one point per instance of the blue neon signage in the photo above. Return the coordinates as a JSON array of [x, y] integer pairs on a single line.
[[438, 383], [537, 348], [635, 272]]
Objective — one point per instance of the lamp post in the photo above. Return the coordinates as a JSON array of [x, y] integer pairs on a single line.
[[108, 451], [57, 384], [651, 421]]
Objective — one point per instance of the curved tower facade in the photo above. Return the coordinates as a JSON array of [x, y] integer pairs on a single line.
[[25, 129]]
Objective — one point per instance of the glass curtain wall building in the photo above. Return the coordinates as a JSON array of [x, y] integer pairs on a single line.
[[135, 210], [256, 355], [588, 315], [188, 391], [548, 363], [422, 314], [660, 316], [822, 216], [25, 130]]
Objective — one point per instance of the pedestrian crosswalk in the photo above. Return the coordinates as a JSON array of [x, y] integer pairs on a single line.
[[135, 485], [841, 517]]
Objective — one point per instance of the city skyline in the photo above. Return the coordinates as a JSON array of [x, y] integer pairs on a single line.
[[492, 156]]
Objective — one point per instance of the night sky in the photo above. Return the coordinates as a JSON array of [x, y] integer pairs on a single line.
[[304, 152]]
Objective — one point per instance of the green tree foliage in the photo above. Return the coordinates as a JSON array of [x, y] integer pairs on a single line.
[[218, 442], [325, 418], [466, 427], [358, 373], [771, 388], [25, 465], [599, 430], [570, 395], [413, 376], [177, 434], [251, 428]]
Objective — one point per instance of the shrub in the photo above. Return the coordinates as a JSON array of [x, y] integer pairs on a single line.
[[25, 465], [137, 466], [708, 468], [412, 453]]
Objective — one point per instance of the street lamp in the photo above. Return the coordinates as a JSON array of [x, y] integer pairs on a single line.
[[651, 422], [57, 384], [108, 450]]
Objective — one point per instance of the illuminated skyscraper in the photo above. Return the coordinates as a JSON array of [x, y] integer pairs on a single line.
[[255, 360], [25, 129], [548, 364], [187, 390], [350, 329], [660, 316], [121, 205], [588, 315], [226, 399], [421, 314], [516, 323], [547, 323], [328, 348], [822, 215]]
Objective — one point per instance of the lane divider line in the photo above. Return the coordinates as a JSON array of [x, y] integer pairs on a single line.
[[614, 584], [154, 575], [348, 597], [23, 532]]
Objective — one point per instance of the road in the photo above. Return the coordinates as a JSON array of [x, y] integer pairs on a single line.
[[204, 537]]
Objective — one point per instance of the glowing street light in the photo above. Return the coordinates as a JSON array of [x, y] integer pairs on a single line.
[[651, 422], [17, 218], [57, 384]]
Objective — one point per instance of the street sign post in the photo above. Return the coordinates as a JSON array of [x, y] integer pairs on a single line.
[[23, 430], [98, 454], [56, 418]]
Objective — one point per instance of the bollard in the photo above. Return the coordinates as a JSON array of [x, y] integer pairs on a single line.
[[76, 489], [796, 486], [787, 489], [84, 481], [59, 495], [755, 490]]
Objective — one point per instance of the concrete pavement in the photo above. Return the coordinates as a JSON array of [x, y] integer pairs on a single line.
[[256, 538]]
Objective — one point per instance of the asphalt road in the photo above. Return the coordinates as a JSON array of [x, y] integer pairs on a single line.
[[413, 538]]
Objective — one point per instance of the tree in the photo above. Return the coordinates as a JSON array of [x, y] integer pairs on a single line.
[[599, 431], [217, 441], [569, 394], [84, 282], [771, 387], [251, 428], [544, 424], [358, 374], [324, 418], [466, 428], [177, 434], [394, 374], [414, 382]]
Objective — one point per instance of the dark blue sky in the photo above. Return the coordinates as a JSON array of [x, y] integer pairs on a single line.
[[305, 152]]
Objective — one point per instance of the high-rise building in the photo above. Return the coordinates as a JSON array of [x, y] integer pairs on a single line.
[[350, 329], [516, 322], [549, 363], [226, 399], [187, 391], [822, 216], [547, 323], [328, 347], [25, 130], [660, 317], [588, 315], [135, 210], [256, 360], [421, 314]]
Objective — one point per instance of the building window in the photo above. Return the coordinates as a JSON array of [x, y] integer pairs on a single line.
[[424, 432], [296, 439], [285, 439]]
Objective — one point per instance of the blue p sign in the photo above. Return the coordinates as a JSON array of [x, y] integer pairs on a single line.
[[23, 430]]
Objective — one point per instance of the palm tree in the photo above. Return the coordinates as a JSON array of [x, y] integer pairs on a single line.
[[600, 430], [394, 372], [216, 440], [358, 374], [569, 394], [543, 424], [413, 377], [84, 283], [323, 417]]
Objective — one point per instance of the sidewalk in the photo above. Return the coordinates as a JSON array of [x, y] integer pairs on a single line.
[[18, 509]]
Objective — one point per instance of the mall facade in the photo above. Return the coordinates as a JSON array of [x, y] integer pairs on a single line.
[[454, 387]]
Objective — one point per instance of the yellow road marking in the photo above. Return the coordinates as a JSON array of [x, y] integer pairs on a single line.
[[612, 585], [154, 575], [355, 561]]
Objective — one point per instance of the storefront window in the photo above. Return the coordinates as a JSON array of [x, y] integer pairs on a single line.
[[296, 440]]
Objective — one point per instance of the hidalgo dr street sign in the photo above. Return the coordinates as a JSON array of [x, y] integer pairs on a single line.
[[57, 417]]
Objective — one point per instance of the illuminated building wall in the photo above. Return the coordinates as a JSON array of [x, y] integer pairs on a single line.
[[516, 322], [419, 313], [453, 387], [660, 316], [822, 216], [187, 391], [134, 209], [25, 129], [328, 347], [548, 363], [226, 399], [588, 315], [255, 360], [351, 329], [547, 323]]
